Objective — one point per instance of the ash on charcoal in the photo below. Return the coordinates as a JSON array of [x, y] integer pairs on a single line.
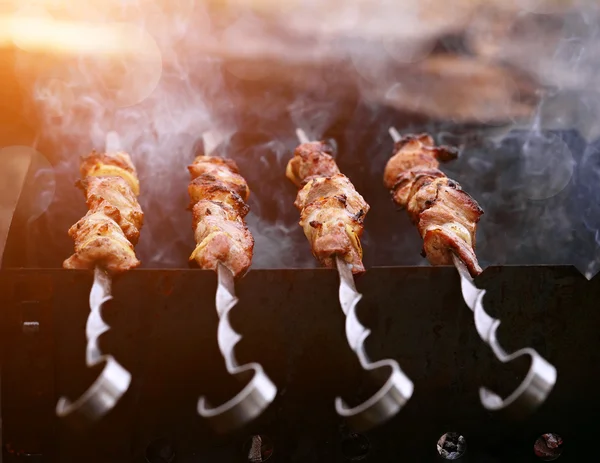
[[548, 447], [255, 454], [452, 446], [258, 449]]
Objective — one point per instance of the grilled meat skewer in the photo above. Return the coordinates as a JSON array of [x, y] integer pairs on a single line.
[[447, 219], [218, 195], [331, 210], [106, 235], [332, 214], [445, 215], [104, 240]]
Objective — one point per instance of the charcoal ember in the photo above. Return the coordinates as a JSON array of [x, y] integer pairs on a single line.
[[259, 449], [451, 446], [548, 446], [255, 454]]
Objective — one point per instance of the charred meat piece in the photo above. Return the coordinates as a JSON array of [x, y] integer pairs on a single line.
[[445, 215], [218, 195], [331, 210], [106, 235]]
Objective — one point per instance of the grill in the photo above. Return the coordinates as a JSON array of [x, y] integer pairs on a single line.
[[164, 326]]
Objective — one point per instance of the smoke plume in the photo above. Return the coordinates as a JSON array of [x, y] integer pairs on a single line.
[[513, 83]]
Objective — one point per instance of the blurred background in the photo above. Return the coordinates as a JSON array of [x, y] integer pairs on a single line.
[[513, 83]]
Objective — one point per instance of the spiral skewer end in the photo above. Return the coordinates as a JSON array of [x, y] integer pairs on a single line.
[[114, 380], [260, 391], [397, 388], [541, 377]]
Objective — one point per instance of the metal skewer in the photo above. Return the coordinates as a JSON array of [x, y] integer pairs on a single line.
[[540, 378], [114, 380], [260, 391], [397, 389]]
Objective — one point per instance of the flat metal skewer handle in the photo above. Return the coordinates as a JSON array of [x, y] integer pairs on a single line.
[[541, 377], [397, 388], [113, 381], [260, 391]]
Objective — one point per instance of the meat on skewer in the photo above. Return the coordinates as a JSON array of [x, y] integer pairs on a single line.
[[218, 195], [331, 210], [445, 215], [106, 235]]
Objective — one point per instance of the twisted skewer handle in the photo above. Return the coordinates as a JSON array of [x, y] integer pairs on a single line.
[[397, 389], [113, 381], [541, 377], [260, 391]]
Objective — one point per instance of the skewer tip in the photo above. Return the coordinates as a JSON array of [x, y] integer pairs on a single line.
[[113, 142], [211, 139], [301, 134], [394, 134]]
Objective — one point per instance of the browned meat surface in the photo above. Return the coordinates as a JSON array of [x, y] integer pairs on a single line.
[[99, 241], [311, 160], [218, 195], [207, 187], [110, 165], [106, 235], [224, 170], [331, 210], [445, 215], [116, 192]]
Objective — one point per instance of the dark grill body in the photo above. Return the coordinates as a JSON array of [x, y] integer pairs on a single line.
[[164, 331]]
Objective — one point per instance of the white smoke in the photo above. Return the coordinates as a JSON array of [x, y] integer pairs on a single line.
[[162, 98], [147, 97]]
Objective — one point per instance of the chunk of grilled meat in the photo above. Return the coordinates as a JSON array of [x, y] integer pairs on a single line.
[[117, 192], [331, 210], [99, 241], [218, 195], [224, 170], [106, 235], [208, 187], [445, 215], [221, 236], [310, 160], [117, 164]]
